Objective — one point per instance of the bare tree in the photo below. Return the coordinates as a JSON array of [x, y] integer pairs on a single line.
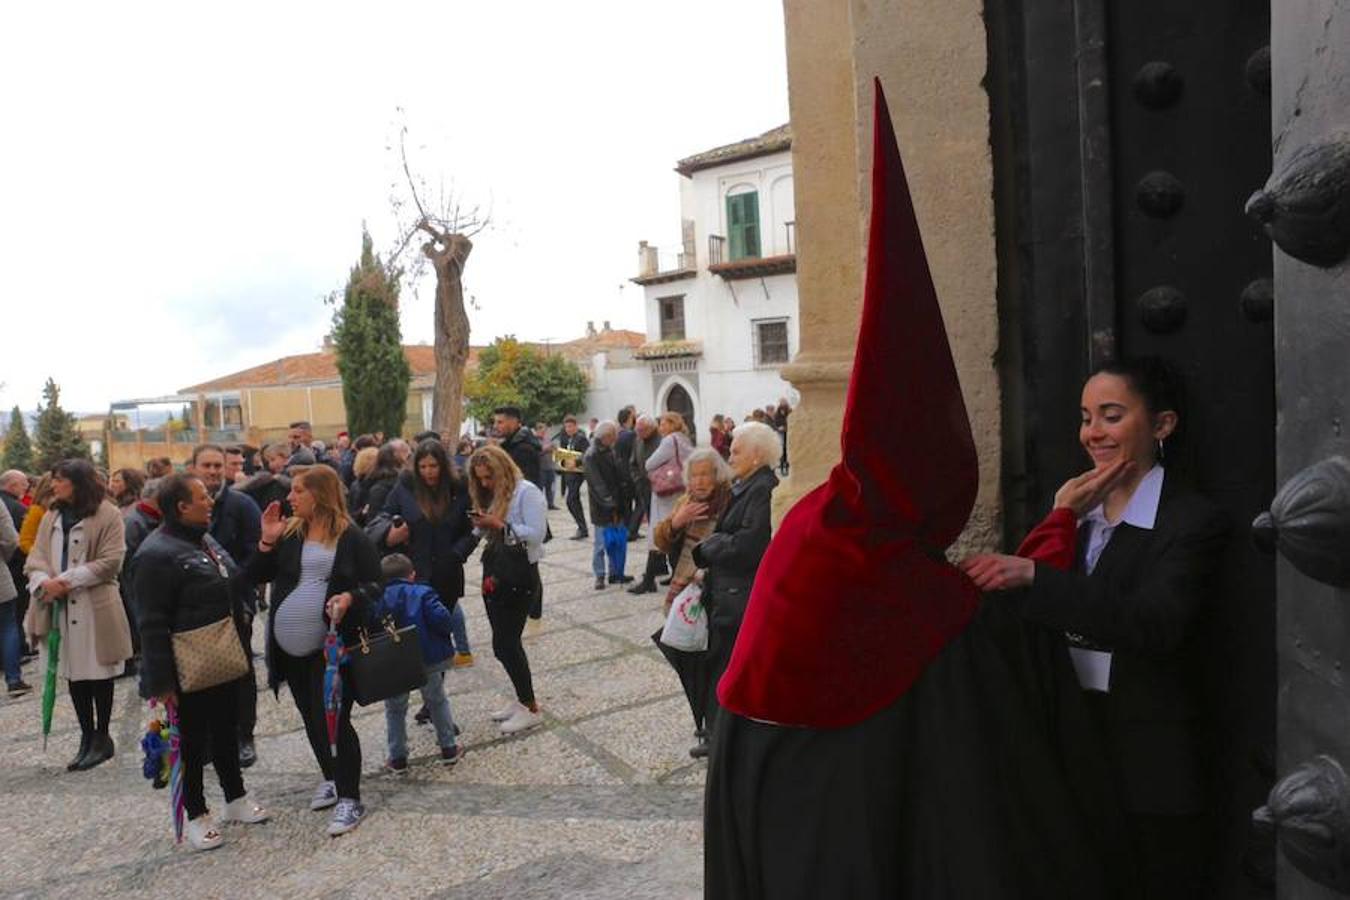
[[449, 229]]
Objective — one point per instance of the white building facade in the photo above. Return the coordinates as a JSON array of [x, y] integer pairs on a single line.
[[722, 308]]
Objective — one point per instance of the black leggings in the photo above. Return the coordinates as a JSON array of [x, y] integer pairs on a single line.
[[506, 614], [90, 697], [209, 717], [304, 678]]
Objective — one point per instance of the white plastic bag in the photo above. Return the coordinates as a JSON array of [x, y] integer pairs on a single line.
[[687, 624]]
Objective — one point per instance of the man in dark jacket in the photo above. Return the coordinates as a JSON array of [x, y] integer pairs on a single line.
[[138, 522], [519, 443], [610, 495], [13, 485], [623, 447], [571, 438], [645, 441], [236, 524]]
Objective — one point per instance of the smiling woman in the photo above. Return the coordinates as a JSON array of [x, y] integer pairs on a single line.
[[1132, 600]]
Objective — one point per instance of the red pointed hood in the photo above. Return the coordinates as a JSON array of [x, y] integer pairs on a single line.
[[854, 597]]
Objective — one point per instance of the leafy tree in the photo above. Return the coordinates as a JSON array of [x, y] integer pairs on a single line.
[[18, 447], [375, 372], [510, 373], [57, 435]]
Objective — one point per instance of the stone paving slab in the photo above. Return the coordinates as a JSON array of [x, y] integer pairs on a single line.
[[602, 801]]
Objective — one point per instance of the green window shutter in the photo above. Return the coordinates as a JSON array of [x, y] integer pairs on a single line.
[[743, 225]]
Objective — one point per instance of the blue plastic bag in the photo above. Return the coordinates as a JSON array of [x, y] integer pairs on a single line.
[[616, 548]]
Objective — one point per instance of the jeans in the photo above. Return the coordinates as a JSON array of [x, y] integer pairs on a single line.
[[506, 613], [459, 631], [209, 717], [598, 553], [433, 695], [11, 642], [548, 477], [304, 678]]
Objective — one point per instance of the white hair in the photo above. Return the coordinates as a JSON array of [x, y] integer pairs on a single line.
[[645, 419], [762, 441], [721, 471], [11, 476], [606, 428]]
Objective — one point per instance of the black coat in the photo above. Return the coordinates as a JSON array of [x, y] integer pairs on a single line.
[[356, 570], [179, 587], [1146, 600], [236, 524], [637, 460], [438, 548], [369, 499], [524, 448], [732, 553], [607, 486], [264, 488], [137, 525]]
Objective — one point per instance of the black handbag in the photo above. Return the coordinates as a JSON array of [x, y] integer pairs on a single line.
[[384, 663], [507, 568]]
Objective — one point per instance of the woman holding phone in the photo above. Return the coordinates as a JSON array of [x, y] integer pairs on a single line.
[[429, 521]]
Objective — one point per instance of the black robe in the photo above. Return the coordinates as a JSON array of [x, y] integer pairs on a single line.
[[982, 781]]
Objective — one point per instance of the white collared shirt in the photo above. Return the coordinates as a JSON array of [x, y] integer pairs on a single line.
[[1094, 666]]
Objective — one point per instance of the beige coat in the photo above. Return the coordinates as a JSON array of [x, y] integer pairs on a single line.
[[95, 634]]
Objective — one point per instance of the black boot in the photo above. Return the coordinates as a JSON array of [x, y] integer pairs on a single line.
[[86, 740], [645, 586], [100, 751]]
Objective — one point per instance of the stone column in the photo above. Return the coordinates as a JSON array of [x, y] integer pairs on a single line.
[[931, 59]]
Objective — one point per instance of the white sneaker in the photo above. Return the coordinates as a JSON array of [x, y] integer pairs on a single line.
[[522, 720], [507, 711], [202, 833], [243, 809], [324, 797]]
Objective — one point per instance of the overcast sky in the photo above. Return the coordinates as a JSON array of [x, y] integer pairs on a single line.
[[181, 187]]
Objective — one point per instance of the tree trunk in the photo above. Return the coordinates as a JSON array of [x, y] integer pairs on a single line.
[[452, 332]]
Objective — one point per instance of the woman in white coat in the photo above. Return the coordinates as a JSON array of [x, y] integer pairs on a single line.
[[670, 456], [72, 572]]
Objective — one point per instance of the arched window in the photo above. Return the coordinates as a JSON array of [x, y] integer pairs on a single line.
[[678, 400]]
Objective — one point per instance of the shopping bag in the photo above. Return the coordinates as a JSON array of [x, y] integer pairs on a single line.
[[616, 548], [687, 624]]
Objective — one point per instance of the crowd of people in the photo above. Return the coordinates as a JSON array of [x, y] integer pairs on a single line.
[[337, 538]]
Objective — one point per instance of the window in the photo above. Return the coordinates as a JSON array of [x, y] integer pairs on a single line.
[[672, 318], [771, 342], [743, 225]]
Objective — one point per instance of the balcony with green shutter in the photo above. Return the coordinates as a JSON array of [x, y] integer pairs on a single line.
[[738, 254]]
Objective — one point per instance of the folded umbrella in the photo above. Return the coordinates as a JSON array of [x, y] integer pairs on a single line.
[[175, 771], [332, 684], [692, 668], [49, 679]]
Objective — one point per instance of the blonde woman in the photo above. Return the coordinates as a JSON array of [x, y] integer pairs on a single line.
[[28, 529], [512, 513], [322, 567]]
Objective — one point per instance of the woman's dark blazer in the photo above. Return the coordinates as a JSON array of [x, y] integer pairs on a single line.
[[356, 570], [438, 548], [1147, 600]]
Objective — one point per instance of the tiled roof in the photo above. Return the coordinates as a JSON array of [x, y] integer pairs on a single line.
[[321, 368], [772, 141]]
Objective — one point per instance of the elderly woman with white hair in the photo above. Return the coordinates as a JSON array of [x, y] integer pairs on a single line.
[[730, 556]]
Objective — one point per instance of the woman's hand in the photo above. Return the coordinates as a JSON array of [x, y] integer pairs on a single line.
[[54, 589], [488, 521], [998, 572], [338, 605], [1088, 490], [273, 526], [397, 534], [688, 513]]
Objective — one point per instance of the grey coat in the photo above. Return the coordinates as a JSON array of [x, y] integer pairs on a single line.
[[9, 545]]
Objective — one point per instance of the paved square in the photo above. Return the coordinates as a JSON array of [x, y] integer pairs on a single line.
[[601, 802]]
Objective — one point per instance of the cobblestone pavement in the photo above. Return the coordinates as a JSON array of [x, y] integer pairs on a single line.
[[602, 802]]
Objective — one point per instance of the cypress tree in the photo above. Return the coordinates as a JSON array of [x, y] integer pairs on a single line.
[[18, 448], [57, 435], [375, 372]]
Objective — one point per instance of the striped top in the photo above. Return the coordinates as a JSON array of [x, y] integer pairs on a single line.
[[299, 626]]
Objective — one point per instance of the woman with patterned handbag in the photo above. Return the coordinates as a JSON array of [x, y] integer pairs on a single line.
[[322, 568], [665, 471], [513, 514], [192, 598]]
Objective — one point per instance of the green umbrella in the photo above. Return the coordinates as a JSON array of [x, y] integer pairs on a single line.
[[49, 682]]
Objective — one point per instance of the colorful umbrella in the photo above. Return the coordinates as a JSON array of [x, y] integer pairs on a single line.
[[49, 680], [175, 771], [332, 684]]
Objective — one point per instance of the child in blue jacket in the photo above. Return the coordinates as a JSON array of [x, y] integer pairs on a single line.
[[410, 603]]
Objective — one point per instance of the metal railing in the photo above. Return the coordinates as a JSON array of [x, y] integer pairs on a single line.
[[717, 245]]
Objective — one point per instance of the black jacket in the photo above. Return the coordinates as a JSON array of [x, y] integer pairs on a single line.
[[437, 549], [236, 524], [137, 525], [264, 488], [1146, 600], [524, 447], [356, 570], [370, 494], [179, 587], [17, 511], [731, 554], [623, 447], [607, 486], [637, 460]]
